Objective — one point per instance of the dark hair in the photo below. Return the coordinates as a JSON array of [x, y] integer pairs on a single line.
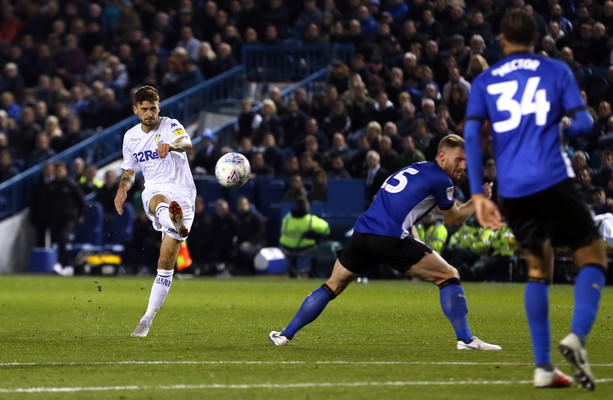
[[519, 27], [146, 93]]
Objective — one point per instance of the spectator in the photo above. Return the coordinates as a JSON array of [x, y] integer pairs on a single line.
[[13, 110], [388, 156], [299, 232], [337, 121], [384, 109], [190, 77], [7, 168], [24, 137], [308, 165], [337, 169], [422, 135], [223, 243], [89, 182], [270, 122], [600, 203], [339, 148], [410, 154], [259, 168], [273, 155], [13, 81], [71, 61], [65, 209], [296, 188], [293, 123], [105, 194], [391, 130], [189, 42], [245, 147], [360, 107], [407, 121], [206, 59], [225, 59], [39, 204], [207, 155], [42, 151], [319, 189], [375, 175], [250, 236], [476, 65]]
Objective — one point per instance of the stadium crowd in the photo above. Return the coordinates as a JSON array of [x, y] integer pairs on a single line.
[[69, 69]]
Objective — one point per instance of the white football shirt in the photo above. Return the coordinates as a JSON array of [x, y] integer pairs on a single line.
[[139, 150]]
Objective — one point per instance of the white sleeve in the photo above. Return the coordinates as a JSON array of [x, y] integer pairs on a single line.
[[176, 131], [129, 160]]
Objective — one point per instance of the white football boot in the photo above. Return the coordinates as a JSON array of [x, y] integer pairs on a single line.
[[142, 329], [477, 344], [551, 379], [277, 339], [574, 352]]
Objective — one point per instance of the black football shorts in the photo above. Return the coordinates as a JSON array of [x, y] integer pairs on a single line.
[[559, 213], [364, 250]]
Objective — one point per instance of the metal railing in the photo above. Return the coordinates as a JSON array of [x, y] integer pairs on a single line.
[[292, 61], [104, 147]]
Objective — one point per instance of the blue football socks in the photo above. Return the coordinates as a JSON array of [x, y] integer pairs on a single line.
[[588, 290], [310, 309], [453, 303], [536, 302]]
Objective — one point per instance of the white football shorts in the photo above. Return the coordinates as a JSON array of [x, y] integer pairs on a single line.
[[185, 199]]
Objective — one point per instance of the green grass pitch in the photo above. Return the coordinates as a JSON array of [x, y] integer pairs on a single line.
[[69, 338]]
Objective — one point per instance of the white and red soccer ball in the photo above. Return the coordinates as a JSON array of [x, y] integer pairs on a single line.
[[232, 170]]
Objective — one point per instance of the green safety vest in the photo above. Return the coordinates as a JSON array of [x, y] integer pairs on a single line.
[[474, 238], [293, 230], [503, 242], [434, 236]]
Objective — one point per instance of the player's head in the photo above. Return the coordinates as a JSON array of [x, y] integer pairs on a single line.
[[451, 156], [147, 106], [518, 31]]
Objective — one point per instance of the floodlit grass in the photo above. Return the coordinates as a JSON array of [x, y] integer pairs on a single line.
[[381, 339]]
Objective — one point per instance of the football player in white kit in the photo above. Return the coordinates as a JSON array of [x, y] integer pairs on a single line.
[[157, 146]]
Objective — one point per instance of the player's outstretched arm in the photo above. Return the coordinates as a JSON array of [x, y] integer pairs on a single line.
[[126, 182], [180, 145], [459, 213]]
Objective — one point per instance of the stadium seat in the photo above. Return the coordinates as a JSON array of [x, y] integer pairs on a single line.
[[118, 228], [268, 191], [90, 231]]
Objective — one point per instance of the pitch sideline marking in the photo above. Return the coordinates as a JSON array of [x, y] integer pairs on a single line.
[[262, 386], [222, 362]]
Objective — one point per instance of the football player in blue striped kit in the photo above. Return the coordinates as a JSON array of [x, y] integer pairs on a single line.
[[385, 234], [530, 101]]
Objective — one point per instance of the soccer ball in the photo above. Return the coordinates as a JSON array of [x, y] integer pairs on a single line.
[[232, 170]]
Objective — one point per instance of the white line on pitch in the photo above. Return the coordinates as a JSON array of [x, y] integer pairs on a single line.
[[263, 386], [204, 362]]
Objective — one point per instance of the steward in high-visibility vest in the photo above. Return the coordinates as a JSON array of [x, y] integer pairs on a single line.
[[432, 232], [503, 242], [299, 229]]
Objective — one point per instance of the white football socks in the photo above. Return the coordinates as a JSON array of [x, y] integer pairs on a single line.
[[159, 290], [163, 215]]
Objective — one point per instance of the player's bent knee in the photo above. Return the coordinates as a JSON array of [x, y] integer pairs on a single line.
[[450, 281], [329, 290]]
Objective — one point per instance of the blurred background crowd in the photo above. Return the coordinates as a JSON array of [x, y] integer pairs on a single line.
[[69, 67]]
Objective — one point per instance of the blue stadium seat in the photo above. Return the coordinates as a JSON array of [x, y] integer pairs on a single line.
[[209, 189], [268, 191], [118, 228], [346, 197], [90, 231]]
